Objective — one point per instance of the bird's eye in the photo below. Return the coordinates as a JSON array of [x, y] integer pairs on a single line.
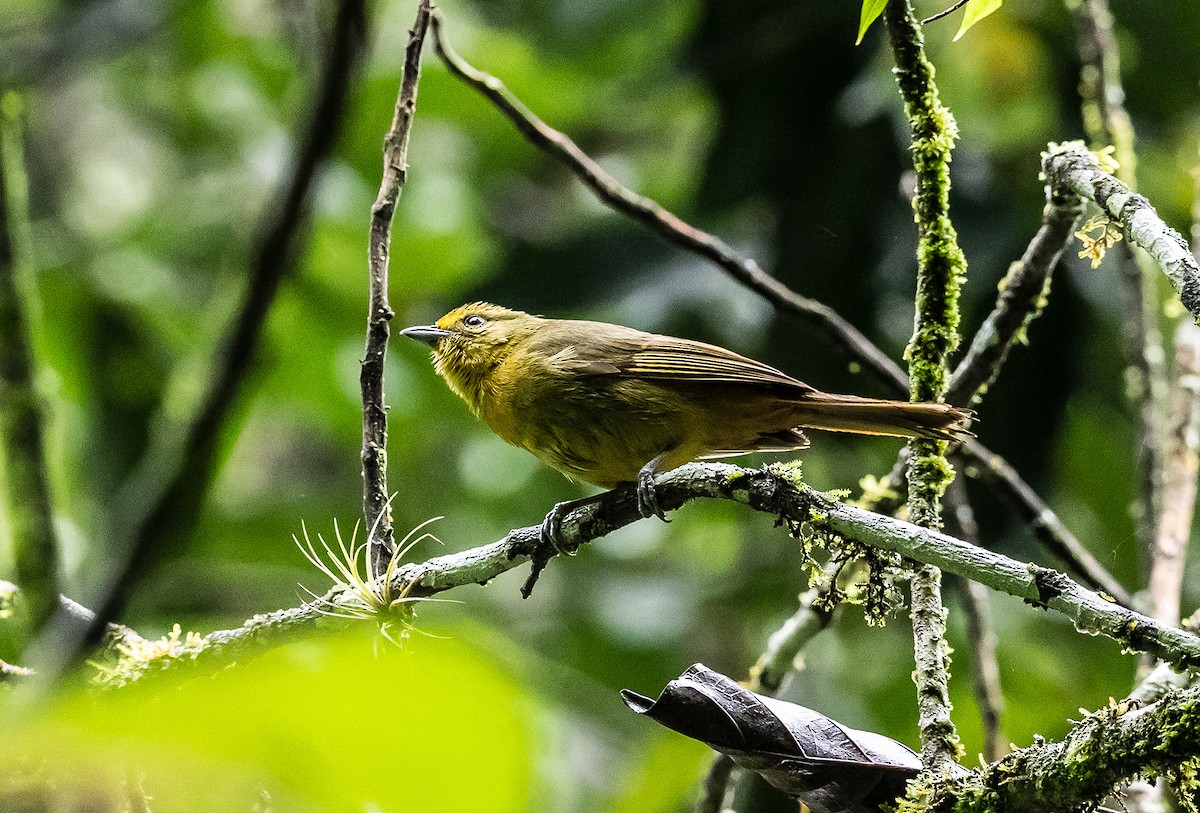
[[474, 320]]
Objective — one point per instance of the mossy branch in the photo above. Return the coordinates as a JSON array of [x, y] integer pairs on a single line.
[[941, 267], [1106, 748], [1072, 170], [763, 490]]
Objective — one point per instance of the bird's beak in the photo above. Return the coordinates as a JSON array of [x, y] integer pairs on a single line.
[[430, 334]]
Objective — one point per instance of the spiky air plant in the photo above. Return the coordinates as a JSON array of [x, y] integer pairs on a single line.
[[354, 595]]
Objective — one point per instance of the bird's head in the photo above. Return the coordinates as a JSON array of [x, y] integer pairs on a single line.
[[471, 341]]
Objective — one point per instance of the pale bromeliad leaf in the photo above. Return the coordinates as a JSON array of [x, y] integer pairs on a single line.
[[803, 753]]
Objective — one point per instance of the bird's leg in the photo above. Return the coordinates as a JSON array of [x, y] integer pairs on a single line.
[[552, 524], [647, 500]]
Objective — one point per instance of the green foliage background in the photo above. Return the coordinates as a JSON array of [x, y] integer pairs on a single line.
[[157, 136]]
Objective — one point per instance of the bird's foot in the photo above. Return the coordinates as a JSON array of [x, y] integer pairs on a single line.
[[647, 499], [551, 542]]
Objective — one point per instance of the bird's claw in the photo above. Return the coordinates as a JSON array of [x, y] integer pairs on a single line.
[[647, 499], [552, 530]]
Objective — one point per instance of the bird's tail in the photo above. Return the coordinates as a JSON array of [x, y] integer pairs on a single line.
[[877, 416]]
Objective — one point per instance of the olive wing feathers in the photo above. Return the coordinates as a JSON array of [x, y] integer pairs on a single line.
[[629, 353]]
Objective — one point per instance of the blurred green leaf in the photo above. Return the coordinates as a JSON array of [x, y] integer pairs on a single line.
[[871, 9], [975, 11], [344, 723]]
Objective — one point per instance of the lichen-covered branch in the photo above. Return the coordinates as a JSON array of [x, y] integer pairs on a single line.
[[27, 501], [376, 505], [769, 490], [940, 270], [1071, 169]]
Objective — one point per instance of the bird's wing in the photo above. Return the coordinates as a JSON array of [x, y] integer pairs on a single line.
[[633, 354]]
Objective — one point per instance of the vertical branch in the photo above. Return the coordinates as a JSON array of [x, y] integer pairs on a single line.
[[940, 268], [1107, 122], [376, 507], [27, 500]]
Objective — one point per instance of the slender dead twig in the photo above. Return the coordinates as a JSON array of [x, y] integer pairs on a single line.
[[376, 505], [27, 499], [944, 12], [171, 485]]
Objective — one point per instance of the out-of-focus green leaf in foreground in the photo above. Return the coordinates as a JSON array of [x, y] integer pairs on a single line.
[[341, 723]]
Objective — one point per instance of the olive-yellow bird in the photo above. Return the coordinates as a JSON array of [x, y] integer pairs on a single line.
[[611, 405]]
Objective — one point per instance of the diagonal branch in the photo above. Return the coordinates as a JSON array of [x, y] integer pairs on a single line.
[[376, 507], [1022, 296], [172, 486], [666, 224]]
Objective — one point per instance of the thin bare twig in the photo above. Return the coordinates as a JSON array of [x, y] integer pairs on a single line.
[[171, 485], [376, 505], [26, 482], [945, 12]]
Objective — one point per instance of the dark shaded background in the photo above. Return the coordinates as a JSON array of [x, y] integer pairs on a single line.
[[159, 132]]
